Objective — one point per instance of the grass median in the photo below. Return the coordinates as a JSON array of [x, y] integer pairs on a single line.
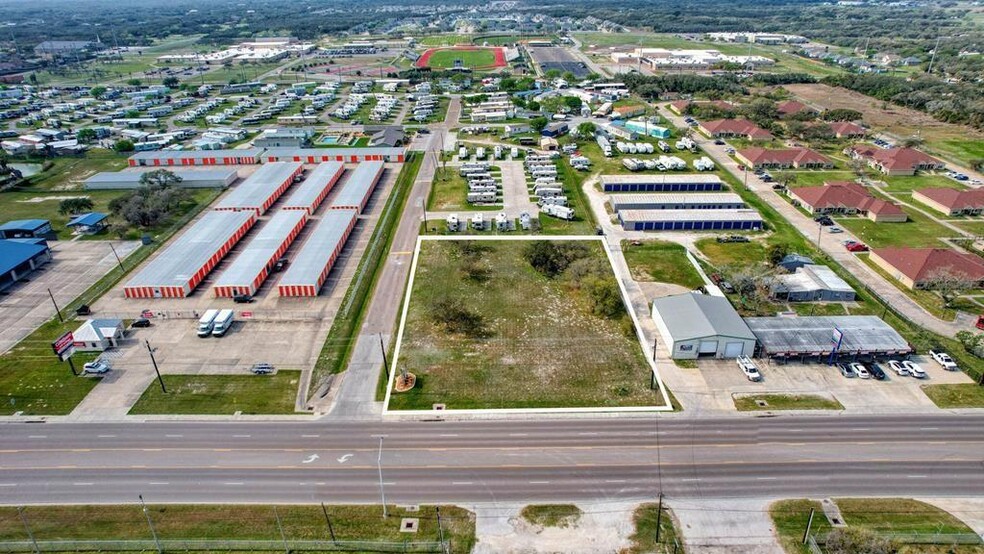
[[221, 394], [751, 402]]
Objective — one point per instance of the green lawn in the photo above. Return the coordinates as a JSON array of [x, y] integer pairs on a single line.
[[963, 151], [749, 403], [221, 394], [230, 521], [816, 178], [583, 222], [443, 59], [518, 339], [965, 395], [445, 40], [919, 231], [920, 181], [661, 261], [644, 538], [551, 515], [449, 192], [880, 515], [729, 253], [818, 308]]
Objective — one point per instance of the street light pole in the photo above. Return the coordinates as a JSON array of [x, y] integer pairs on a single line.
[[156, 370], [150, 523], [57, 309], [379, 466], [118, 260]]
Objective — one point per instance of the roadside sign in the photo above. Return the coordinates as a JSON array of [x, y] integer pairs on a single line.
[[63, 343], [246, 314]]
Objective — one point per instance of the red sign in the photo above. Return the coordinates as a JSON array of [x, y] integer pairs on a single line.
[[63, 343], [246, 314]]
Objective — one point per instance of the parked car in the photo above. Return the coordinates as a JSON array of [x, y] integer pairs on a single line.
[[281, 264], [914, 369], [749, 369], [262, 369], [857, 247], [944, 359], [899, 368], [846, 371], [834, 229], [861, 371], [140, 322], [877, 372], [95, 368], [242, 298], [719, 142], [726, 287]]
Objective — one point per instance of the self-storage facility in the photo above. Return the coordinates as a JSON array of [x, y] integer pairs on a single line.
[[310, 267], [690, 220], [217, 177], [312, 191], [347, 155], [195, 157], [252, 266], [697, 182], [677, 201], [183, 264], [358, 187], [694, 325], [261, 189]]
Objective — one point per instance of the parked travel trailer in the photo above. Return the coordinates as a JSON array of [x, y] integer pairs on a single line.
[[560, 212], [453, 223]]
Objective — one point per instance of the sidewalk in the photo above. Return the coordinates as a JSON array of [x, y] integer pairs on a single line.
[[726, 526]]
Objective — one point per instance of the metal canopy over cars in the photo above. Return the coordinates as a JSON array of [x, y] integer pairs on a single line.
[[819, 335]]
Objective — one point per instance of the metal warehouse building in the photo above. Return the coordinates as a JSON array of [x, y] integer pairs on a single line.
[[359, 186], [309, 194], [261, 189], [817, 337], [19, 257], [195, 157], [677, 201], [347, 155], [694, 325], [252, 266], [190, 179], [812, 283], [307, 273], [176, 271], [690, 220], [696, 182]]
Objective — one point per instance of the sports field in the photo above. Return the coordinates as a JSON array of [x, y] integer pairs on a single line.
[[470, 56]]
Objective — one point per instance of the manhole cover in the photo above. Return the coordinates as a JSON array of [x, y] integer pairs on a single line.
[[439, 407], [762, 403], [409, 525]]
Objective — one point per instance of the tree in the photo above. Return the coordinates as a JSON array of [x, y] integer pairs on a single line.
[[785, 178], [911, 142], [972, 342], [134, 82], [948, 283], [858, 166], [551, 258], [762, 111], [73, 206], [160, 178], [776, 253], [586, 129], [85, 136], [977, 164], [455, 317], [170, 81], [132, 114], [123, 145], [149, 205], [573, 103], [841, 114], [538, 123], [97, 91]]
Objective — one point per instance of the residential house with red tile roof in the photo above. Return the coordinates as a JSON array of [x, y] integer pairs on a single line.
[[895, 161], [916, 267], [845, 197], [952, 201], [846, 130], [785, 158], [743, 128], [792, 107]]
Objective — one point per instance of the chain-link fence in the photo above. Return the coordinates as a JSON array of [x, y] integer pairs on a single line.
[[218, 545]]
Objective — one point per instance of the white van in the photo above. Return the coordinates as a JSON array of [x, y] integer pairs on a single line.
[[206, 322], [222, 323]]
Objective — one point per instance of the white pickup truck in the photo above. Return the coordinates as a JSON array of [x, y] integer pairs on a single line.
[[944, 359], [749, 369]]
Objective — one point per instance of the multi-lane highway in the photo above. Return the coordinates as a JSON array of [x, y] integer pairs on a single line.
[[492, 461]]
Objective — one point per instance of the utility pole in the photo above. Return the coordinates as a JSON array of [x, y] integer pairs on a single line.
[[118, 260], [280, 527], [440, 529], [156, 370], [379, 466], [331, 530], [809, 525], [819, 232], [30, 534], [382, 349], [659, 516], [150, 523], [933, 59], [57, 309]]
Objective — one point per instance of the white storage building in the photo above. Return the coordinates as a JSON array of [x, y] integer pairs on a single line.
[[261, 189], [312, 191], [190, 178], [358, 187], [250, 269], [693, 325], [312, 264]]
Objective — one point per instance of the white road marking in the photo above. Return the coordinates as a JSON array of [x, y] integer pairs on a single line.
[[157, 483], [174, 436], [916, 476], [344, 458], [82, 484], [539, 482], [861, 429], [929, 428], [461, 482], [310, 459], [691, 479], [233, 484], [37, 436], [106, 436], [310, 436], [449, 435], [519, 434], [614, 480], [242, 436], [588, 434], [8, 484], [389, 484], [766, 478]]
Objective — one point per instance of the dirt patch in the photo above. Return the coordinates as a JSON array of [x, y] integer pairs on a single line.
[[36, 199]]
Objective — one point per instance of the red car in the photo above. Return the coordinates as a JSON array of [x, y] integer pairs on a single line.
[[857, 247]]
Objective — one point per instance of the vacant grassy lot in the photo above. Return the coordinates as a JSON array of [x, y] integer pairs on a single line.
[[487, 330], [749, 403], [907, 184], [919, 231], [583, 222], [443, 59], [880, 515], [967, 395], [644, 538], [449, 192], [221, 394], [127, 522], [661, 261], [551, 515], [728, 253]]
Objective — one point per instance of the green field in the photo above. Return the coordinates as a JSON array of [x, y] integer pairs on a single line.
[[749, 403], [221, 394], [964, 395], [919, 231], [487, 330], [662, 262], [551, 515], [240, 522], [646, 519], [878, 515], [443, 59]]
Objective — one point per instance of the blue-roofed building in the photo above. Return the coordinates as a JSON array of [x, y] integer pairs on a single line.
[[792, 262], [25, 229], [18, 259], [88, 224]]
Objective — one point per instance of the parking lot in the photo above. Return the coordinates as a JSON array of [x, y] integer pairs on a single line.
[[724, 379], [74, 267], [287, 332]]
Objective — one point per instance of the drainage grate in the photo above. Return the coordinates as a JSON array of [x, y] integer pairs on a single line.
[[762, 403], [409, 525]]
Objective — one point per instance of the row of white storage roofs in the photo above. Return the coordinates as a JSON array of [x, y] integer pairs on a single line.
[[248, 156], [182, 266]]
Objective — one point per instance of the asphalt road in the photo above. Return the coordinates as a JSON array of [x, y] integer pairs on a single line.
[[493, 461]]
